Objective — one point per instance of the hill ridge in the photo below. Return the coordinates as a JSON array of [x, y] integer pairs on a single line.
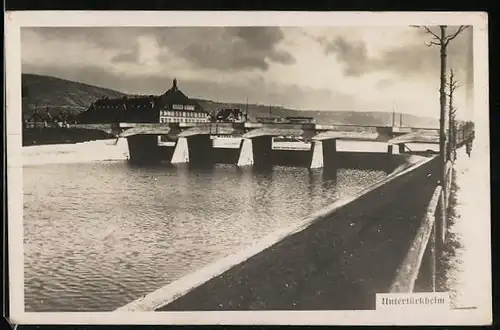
[[59, 94]]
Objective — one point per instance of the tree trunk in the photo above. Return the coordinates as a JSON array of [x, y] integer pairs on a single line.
[[442, 99], [451, 142]]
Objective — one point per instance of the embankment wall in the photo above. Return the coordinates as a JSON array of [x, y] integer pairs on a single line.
[[336, 259]]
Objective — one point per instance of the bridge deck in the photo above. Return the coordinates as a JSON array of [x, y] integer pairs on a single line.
[[356, 136], [357, 132], [145, 129], [416, 137], [269, 131], [212, 129]]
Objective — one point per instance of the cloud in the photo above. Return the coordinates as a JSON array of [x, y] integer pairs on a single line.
[[127, 56], [116, 38], [408, 57], [353, 54], [219, 48], [227, 48]]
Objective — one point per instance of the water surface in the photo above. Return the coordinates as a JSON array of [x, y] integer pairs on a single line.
[[99, 235]]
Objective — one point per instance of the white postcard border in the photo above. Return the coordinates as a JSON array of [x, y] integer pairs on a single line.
[[16, 20]]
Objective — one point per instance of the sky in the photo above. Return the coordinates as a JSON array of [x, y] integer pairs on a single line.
[[308, 68]]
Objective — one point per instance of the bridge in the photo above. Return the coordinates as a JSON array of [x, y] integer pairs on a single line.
[[193, 143]]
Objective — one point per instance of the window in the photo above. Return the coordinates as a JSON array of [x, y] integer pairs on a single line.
[[189, 107], [177, 106]]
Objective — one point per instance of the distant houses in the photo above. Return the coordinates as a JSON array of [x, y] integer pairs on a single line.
[[46, 119]]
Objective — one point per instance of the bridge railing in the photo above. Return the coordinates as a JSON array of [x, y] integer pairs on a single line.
[[423, 242], [429, 239]]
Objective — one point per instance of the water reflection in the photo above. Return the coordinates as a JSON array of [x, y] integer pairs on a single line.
[[100, 235]]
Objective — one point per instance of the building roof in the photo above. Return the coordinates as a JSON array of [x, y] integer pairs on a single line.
[[139, 108], [172, 96], [46, 116], [175, 96]]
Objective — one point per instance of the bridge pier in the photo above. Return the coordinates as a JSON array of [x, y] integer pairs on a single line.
[[401, 148], [256, 151], [390, 148], [181, 151], [195, 150], [317, 159], [329, 153], [323, 153], [262, 148], [246, 153], [144, 149]]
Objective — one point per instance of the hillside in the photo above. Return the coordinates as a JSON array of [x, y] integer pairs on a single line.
[[58, 94]]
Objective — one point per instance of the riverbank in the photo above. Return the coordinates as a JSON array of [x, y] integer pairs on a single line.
[[61, 135]]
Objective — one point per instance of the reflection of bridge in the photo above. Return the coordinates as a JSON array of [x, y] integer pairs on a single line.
[[193, 143]]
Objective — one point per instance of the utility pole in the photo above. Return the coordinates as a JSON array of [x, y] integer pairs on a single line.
[[400, 119], [452, 86], [246, 111], [393, 114]]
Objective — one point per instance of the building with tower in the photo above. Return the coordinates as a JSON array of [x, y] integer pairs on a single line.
[[171, 107]]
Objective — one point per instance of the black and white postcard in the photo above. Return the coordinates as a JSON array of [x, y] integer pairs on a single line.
[[248, 168]]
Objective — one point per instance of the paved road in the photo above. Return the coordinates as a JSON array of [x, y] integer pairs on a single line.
[[338, 263]]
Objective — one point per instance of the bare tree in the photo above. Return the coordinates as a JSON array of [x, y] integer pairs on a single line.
[[442, 40], [453, 84]]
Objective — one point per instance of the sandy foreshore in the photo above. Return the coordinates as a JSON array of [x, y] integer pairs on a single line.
[[91, 151]]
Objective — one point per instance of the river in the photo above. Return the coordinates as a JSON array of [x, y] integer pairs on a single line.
[[100, 234]]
